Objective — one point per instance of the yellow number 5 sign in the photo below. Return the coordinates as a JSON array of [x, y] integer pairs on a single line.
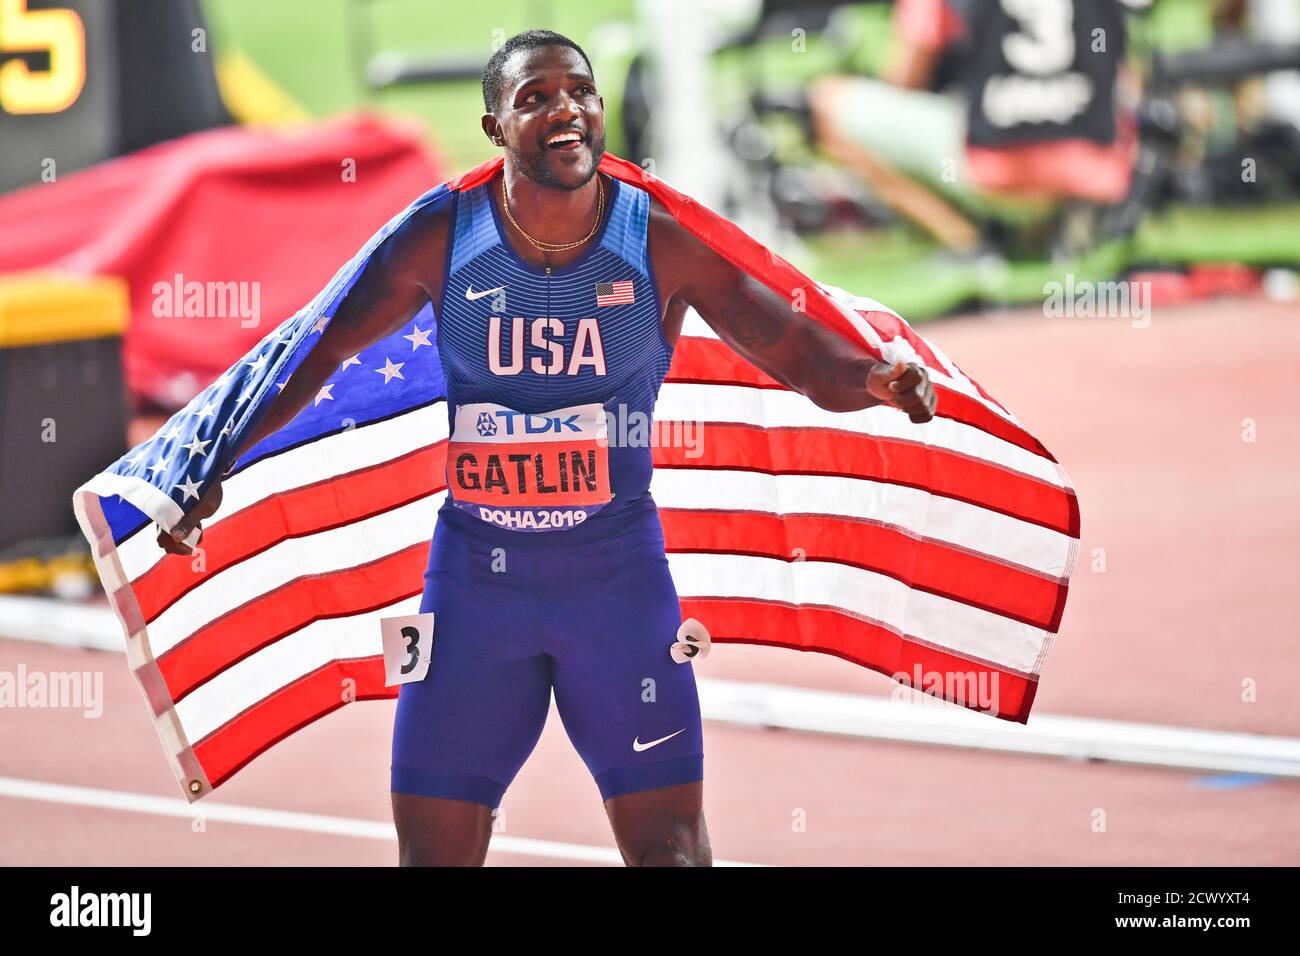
[[57, 32]]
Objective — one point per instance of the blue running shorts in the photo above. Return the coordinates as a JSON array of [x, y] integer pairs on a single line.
[[589, 613]]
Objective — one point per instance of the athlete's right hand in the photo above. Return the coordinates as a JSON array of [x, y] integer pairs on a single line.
[[906, 386], [173, 541]]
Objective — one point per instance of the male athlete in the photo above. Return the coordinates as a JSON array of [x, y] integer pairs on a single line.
[[559, 294]]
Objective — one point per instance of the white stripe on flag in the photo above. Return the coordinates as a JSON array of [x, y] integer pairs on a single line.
[[935, 620], [773, 408], [914, 511]]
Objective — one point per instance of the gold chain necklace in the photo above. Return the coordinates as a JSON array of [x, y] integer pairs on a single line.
[[554, 246]]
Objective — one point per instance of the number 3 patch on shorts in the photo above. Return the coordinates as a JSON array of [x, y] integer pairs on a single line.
[[408, 641]]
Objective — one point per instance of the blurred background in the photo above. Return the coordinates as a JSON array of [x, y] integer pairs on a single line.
[[1092, 205]]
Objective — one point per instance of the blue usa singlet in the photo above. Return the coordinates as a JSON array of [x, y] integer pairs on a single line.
[[547, 370], [547, 573]]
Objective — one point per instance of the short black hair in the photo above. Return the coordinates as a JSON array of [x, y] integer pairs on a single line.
[[494, 78]]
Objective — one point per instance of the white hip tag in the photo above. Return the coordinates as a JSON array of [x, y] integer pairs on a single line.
[[408, 643], [692, 641]]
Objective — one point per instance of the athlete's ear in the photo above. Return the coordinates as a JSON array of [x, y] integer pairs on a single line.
[[492, 129]]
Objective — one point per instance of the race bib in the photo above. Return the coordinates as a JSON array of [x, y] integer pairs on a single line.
[[408, 642], [529, 472]]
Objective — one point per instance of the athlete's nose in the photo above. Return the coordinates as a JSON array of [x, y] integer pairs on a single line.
[[565, 105]]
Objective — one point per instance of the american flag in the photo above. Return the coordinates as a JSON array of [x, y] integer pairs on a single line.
[[614, 293], [909, 549]]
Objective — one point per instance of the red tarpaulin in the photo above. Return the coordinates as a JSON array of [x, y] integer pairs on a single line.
[[221, 234]]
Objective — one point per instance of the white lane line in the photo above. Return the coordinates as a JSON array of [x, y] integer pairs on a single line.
[[61, 623], [931, 721], [286, 820]]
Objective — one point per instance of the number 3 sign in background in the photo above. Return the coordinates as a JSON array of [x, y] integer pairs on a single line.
[[58, 33]]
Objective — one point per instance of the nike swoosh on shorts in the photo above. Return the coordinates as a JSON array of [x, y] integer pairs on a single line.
[[638, 746]]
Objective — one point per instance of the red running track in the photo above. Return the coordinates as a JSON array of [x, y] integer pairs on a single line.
[[1198, 531]]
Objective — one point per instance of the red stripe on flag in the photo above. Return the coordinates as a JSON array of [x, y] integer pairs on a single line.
[[830, 631], [827, 451], [926, 565], [227, 749]]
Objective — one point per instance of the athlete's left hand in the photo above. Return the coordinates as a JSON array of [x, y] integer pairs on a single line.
[[906, 386]]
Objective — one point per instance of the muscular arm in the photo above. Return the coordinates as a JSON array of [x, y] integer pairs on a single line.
[[404, 274], [765, 329]]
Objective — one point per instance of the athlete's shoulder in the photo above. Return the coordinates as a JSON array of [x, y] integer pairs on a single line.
[[418, 247], [661, 224], [681, 259], [429, 223], [671, 245]]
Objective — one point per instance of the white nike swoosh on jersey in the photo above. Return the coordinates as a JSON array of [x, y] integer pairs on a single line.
[[638, 746], [472, 295]]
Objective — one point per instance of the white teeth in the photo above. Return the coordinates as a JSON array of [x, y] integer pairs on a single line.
[[570, 137]]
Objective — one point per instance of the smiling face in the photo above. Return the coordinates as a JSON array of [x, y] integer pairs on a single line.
[[550, 119]]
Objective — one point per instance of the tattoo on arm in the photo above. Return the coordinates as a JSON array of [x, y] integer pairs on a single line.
[[752, 327]]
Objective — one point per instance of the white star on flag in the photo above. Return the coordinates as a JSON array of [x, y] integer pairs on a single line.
[[197, 447], [190, 487], [418, 337], [355, 360], [391, 371], [323, 394]]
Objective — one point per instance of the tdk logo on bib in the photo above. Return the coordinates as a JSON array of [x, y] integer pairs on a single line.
[[521, 423], [529, 471]]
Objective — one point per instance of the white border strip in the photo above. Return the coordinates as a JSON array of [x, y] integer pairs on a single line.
[[60, 623], [288, 820], [932, 721]]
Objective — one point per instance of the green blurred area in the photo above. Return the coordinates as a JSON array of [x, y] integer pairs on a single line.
[[316, 50]]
